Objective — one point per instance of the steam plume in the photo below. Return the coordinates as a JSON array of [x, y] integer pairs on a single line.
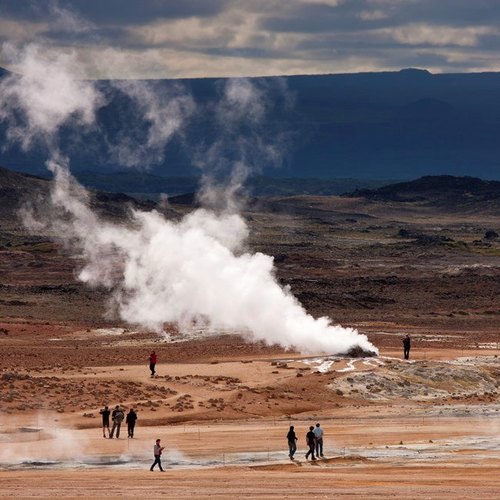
[[157, 270], [161, 112], [44, 96], [245, 141]]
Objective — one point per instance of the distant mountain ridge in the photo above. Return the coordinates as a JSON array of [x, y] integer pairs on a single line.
[[387, 125], [444, 190], [450, 193]]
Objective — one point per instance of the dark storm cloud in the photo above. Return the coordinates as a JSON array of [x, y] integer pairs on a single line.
[[312, 18], [126, 12], [250, 52], [21, 11], [490, 43], [348, 41], [457, 13], [186, 37], [360, 15], [90, 36]]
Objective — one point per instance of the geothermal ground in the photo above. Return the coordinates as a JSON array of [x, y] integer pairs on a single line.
[[428, 427]]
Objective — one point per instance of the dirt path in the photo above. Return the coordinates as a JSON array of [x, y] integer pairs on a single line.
[[343, 481]]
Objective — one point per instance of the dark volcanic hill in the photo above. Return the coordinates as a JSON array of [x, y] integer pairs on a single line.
[[389, 125], [441, 191], [352, 259], [16, 189]]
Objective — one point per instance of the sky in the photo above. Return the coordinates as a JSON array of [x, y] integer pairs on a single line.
[[233, 38]]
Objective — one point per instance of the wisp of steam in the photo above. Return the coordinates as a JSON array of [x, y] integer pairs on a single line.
[[159, 270]]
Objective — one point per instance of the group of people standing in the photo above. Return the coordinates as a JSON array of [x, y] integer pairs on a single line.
[[117, 417], [314, 441], [314, 437], [118, 414]]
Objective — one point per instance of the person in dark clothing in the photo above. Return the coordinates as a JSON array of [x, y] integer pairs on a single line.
[[130, 421], [117, 417], [105, 420], [157, 449], [311, 442], [406, 346], [292, 442], [152, 363]]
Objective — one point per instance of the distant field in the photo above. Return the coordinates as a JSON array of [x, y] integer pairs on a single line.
[[141, 184]]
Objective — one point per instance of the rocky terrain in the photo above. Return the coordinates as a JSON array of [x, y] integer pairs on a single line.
[[386, 267]]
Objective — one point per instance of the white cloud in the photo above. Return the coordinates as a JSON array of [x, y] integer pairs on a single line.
[[17, 32], [233, 29], [418, 34], [373, 15], [330, 3], [169, 63]]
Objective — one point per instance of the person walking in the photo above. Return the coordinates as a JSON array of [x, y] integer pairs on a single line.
[[130, 421], [311, 442], [152, 363], [292, 442], [105, 412], [318, 434], [406, 346], [117, 417], [157, 449]]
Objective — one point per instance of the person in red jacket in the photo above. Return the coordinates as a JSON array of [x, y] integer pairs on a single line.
[[152, 363]]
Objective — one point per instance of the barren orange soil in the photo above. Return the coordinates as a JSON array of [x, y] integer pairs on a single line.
[[426, 428]]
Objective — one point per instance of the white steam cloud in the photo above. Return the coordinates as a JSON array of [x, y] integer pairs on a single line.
[[44, 96], [242, 102], [158, 270], [163, 271], [164, 111], [243, 143], [57, 443]]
